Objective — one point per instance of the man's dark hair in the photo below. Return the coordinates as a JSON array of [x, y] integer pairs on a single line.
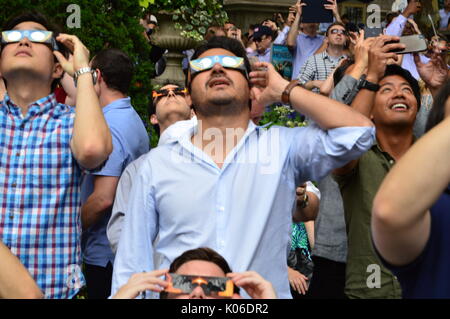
[[437, 113], [202, 253], [116, 68], [394, 69], [37, 17], [30, 16], [333, 25], [229, 44]]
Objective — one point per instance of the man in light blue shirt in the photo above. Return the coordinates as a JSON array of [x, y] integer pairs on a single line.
[[228, 184], [305, 44], [444, 16], [130, 140]]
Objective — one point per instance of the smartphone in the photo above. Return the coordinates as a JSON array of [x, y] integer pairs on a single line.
[[414, 43]]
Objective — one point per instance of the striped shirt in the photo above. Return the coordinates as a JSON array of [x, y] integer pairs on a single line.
[[318, 67], [40, 194]]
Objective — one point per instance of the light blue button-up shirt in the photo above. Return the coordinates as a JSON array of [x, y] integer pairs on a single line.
[[306, 46], [242, 210], [130, 140]]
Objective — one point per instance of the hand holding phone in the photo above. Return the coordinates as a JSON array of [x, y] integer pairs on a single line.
[[412, 44], [379, 54]]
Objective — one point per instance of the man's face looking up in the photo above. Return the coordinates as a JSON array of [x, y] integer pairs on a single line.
[[171, 108], [30, 57], [219, 91]]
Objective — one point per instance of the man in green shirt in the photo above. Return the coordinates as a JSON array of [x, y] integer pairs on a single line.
[[390, 96]]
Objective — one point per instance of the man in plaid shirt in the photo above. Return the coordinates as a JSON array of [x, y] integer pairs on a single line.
[[43, 148], [320, 66]]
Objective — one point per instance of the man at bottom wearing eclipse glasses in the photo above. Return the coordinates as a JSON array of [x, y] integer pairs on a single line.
[[197, 274], [43, 147], [227, 183]]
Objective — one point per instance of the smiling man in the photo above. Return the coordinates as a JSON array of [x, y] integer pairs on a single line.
[[43, 147], [226, 183], [391, 99]]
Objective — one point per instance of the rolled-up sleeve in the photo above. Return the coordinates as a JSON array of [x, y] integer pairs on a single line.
[[346, 90], [282, 35], [396, 27], [135, 250], [314, 153]]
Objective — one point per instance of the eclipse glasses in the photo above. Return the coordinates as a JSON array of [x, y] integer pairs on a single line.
[[36, 36], [228, 62], [212, 286]]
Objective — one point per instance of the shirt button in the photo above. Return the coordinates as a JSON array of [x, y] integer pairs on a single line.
[[222, 243], [11, 215], [14, 185], [18, 154], [221, 208]]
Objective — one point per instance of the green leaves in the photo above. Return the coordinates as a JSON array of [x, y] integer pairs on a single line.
[[191, 16]]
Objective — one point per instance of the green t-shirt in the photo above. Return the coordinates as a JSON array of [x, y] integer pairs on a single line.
[[358, 189]]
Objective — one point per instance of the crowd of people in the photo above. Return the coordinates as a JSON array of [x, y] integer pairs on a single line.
[[350, 205]]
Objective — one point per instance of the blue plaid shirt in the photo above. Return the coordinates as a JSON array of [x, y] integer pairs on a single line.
[[40, 194]]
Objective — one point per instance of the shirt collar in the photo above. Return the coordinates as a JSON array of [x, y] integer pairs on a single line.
[[118, 104], [185, 141], [310, 37], [325, 55], [40, 106]]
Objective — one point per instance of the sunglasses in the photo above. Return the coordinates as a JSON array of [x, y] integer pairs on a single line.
[[36, 36], [338, 31], [207, 63], [258, 40], [165, 92], [212, 286]]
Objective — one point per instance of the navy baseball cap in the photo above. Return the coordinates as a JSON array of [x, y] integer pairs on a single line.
[[261, 30]]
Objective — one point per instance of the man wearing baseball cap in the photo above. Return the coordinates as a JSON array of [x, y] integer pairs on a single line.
[[263, 37]]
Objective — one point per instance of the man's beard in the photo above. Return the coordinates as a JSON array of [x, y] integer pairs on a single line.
[[220, 106]]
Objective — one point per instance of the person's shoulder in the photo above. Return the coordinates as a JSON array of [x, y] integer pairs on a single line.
[[64, 111]]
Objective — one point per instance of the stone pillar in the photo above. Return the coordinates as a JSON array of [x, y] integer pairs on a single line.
[[246, 12]]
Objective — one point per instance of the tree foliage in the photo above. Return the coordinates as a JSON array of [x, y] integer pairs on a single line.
[[104, 23]]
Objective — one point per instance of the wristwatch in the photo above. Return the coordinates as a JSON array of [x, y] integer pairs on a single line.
[[364, 84], [287, 91], [83, 71]]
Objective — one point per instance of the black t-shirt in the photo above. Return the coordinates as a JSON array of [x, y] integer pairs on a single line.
[[429, 275]]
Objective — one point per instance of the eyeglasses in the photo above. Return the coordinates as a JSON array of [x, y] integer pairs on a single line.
[[164, 92], [338, 31], [207, 63], [212, 286], [37, 36]]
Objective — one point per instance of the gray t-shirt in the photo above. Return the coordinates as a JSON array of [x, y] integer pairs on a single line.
[[330, 233]]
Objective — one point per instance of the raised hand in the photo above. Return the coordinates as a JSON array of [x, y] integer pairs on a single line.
[[379, 54], [141, 282], [255, 285], [268, 84], [333, 7], [299, 7], [79, 51], [434, 73]]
